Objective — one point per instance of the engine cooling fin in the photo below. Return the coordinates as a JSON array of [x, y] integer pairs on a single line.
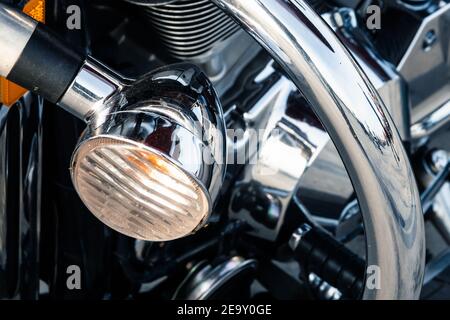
[[190, 28]]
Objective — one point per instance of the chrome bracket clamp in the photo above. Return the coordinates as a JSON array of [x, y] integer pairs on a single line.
[[90, 89]]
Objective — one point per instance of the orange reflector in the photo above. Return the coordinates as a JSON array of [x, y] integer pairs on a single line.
[[36, 10], [9, 91]]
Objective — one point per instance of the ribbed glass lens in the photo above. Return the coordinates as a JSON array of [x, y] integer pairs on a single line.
[[136, 191]]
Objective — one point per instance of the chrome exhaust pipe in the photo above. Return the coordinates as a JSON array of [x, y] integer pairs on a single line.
[[359, 125]]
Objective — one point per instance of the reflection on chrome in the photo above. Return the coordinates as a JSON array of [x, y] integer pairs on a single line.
[[293, 140], [355, 117], [152, 160]]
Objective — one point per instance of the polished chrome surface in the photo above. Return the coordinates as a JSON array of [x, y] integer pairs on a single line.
[[324, 290], [429, 194], [172, 114], [437, 191], [223, 63], [384, 77], [437, 160], [259, 110], [15, 31], [437, 266], [425, 65], [205, 280], [326, 179], [298, 235], [288, 139], [148, 3], [441, 212], [357, 121], [421, 131], [415, 4], [90, 89]]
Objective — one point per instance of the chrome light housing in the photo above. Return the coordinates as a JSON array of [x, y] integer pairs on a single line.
[[150, 165]]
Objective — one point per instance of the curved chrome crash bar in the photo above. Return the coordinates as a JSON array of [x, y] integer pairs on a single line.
[[357, 121]]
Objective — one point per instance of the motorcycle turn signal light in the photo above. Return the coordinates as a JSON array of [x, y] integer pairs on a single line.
[[137, 190], [150, 164], [152, 158]]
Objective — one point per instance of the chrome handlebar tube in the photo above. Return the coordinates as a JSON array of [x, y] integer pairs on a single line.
[[360, 127]]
